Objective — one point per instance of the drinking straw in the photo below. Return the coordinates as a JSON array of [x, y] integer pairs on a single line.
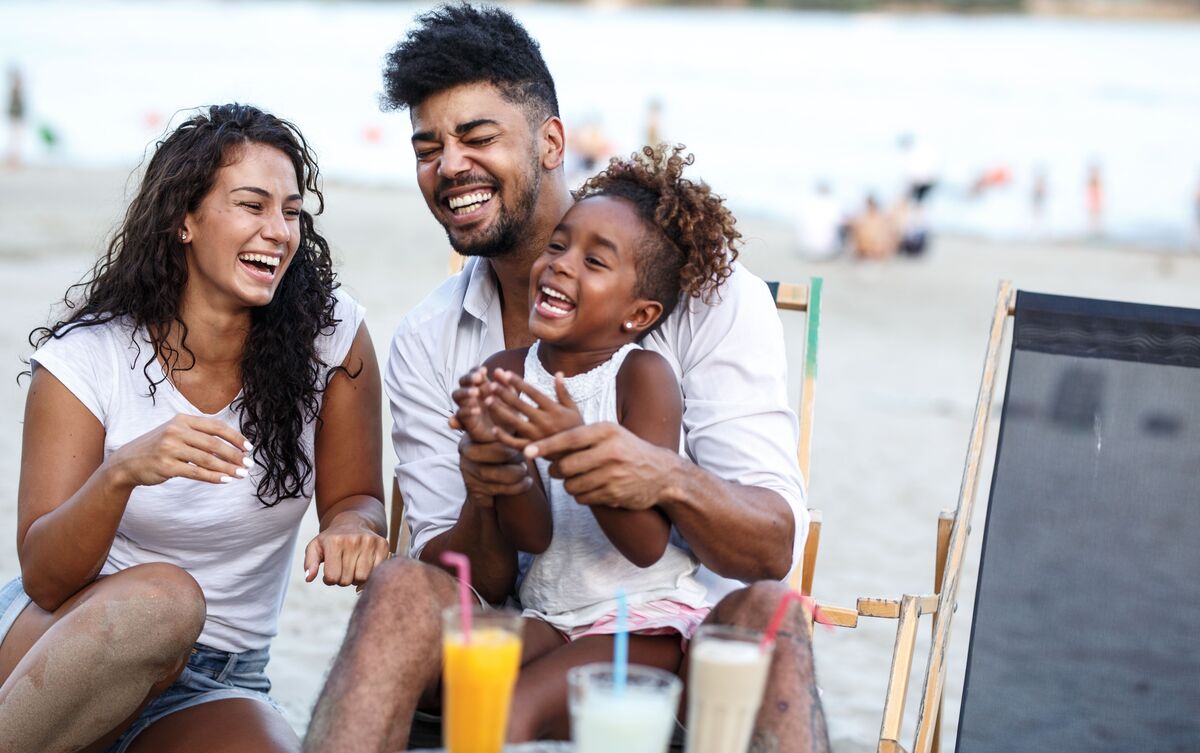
[[781, 612], [621, 644], [462, 566]]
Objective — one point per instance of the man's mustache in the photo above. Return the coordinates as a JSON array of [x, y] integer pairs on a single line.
[[449, 184]]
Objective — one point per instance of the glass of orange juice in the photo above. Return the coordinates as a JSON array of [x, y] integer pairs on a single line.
[[479, 670]]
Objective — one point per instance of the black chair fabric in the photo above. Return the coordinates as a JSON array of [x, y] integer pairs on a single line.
[[1086, 635]]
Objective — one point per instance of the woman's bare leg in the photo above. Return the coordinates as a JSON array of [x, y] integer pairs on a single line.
[[74, 678], [233, 725]]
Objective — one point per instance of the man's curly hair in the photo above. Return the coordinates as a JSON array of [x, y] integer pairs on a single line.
[[457, 43], [691, 241]]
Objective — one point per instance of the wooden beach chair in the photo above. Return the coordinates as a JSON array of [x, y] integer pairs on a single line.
[[1085, 632]]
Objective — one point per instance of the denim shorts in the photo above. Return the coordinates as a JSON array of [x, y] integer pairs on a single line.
[[210, 674]]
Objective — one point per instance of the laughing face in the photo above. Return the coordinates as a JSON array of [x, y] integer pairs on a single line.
[[584, 286], [242, 237], [478, 167]]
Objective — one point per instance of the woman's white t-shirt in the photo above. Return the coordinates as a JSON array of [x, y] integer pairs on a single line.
[[237, 549]]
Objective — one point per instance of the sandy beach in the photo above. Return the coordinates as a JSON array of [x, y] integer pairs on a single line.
[[902, 345]]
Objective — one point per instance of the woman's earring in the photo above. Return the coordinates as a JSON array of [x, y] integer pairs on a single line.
[[628, 326], [183, 235]]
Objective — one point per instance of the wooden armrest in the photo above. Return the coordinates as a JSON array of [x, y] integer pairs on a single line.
[[889, 609]]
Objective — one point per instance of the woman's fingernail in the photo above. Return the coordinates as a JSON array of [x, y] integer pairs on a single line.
[[248, 461], [531, 451], [249, 447], [241, 472], [226, 479]]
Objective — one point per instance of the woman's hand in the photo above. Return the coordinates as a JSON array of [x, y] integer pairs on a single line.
[[349, 549], [518, 422], [203, 449]]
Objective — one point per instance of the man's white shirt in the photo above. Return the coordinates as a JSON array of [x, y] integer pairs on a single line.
[[729, 359]]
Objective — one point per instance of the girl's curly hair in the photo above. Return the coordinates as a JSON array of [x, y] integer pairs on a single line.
[[141, 277], [691, 239]]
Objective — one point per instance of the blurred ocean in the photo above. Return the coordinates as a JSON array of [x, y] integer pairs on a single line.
[[770, 101]]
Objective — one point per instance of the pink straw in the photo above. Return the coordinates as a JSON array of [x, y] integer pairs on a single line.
[[781, 611], [462, 566]]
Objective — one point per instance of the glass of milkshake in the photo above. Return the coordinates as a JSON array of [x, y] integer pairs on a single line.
[[637, 719], [726, 676]]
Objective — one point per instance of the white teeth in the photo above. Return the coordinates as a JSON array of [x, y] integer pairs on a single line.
[[551, 307], [270, 261], [469, 201], [551, 293]]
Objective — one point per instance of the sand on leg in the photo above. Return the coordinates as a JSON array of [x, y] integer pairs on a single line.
[[75, 678]]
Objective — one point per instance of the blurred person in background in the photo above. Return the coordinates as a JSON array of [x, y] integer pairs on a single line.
[[1038, 194], [1094, 199], [654, 132], [873, 232], [209, 378], [16, 117], [820, 224], [1196, 217], [919, 164]]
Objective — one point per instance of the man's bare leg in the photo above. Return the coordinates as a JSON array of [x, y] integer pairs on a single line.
[[791, 719], [391, 655]]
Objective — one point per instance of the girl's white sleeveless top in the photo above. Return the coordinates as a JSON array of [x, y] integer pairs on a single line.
[[575, 581]]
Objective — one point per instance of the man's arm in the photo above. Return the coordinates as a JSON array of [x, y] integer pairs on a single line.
[[740, 506], [737, 531], [434, 462]]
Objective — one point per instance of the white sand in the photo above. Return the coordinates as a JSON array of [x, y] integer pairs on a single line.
[[901, 351]]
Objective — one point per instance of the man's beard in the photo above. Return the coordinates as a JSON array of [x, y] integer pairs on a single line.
[[511, 228]]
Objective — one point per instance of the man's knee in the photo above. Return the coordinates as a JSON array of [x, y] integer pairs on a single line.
[[754, 605], [404, 587]]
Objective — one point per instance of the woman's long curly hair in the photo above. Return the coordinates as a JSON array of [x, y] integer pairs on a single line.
[[141, 278], [692, 238]]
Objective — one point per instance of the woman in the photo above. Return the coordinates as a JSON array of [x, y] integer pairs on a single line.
[[208, 382]]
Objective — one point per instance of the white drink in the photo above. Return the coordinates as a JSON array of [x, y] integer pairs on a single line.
[[637, 721], [637, 718], [726, 678]]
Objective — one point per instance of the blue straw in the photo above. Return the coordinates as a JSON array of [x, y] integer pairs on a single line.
[[621, 645]]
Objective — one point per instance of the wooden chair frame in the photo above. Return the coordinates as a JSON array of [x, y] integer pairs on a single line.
[[953, 529]]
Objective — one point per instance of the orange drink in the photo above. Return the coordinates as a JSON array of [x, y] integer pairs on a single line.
[[478, 674]]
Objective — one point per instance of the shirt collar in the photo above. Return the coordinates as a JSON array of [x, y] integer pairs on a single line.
[[481, 288]]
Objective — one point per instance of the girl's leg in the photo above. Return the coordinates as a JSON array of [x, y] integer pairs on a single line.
[[539, 638], [76, 677], [540, 699], [232, 725]]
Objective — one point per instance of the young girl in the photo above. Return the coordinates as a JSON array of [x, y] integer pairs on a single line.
[[640, 240]]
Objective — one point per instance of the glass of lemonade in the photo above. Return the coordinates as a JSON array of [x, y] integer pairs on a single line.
[[726, 677], [478, 675], [638, 719]]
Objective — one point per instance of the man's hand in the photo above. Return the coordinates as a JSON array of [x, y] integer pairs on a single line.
[[605, 464], [491, 469], [518, 422]]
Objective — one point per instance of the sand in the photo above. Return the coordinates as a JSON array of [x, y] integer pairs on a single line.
[[902, 346]]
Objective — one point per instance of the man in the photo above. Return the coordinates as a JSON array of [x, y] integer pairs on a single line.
[[489, 146]]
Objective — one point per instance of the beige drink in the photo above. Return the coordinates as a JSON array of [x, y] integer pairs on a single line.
[[726, 677]]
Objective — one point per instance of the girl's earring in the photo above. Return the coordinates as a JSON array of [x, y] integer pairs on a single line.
[[628, 326]]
